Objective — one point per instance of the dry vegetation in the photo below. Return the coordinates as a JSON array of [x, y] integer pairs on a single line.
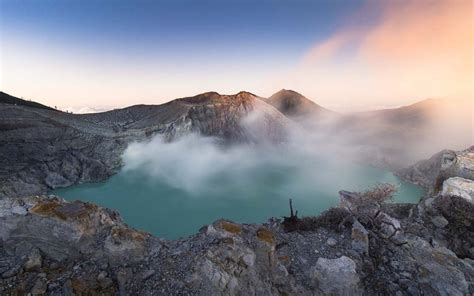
[[338, 217], [379, 194]]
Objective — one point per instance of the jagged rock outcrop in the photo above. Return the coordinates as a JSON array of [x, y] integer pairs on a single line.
[[336, 276], [243, 117], [456, 186], [431, 173], [448, 177]]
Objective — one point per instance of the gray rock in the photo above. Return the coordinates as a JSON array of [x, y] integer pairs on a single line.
[[249, 259], [98, 251], [9, 207], [102, 275], [67, 288], [11, 272], [441, 166], [439, 221], [336, 276], [459, 187], [147, 274], [123, 276], [54, 265], [429, 203], [40, 287], [34, 261], [331, 242], [106, 282], [360, 238], [439, 269]]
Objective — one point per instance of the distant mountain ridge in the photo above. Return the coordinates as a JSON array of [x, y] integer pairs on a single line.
[[289, 102]]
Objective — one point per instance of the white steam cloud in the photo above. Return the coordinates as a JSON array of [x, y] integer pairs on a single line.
[[323, 156], [200, 164]]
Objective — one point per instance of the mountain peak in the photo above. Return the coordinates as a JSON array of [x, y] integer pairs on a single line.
[[294, 104], [201, 98], [287, 92], [245, 94]]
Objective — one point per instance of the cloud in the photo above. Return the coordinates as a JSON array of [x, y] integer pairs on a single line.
[[413, 50], [84, 110]]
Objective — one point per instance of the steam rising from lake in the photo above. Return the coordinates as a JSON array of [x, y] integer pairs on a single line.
[[327, 154], [203, 165], [174, 188]]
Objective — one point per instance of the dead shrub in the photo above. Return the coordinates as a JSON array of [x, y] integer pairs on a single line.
[[331, 218]]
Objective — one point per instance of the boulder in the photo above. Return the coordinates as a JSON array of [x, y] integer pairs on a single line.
[[439, 271], [360, 238], [461, 187], [331, 242], [40, 287], [430, 173], [336, 276], [34, 261], [439, 221], [12, 206]]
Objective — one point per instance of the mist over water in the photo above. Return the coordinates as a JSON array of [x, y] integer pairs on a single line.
[[205, 165], [172, 189]]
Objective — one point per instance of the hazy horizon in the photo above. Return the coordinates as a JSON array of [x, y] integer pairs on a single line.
[[357, 55], [345, 110]]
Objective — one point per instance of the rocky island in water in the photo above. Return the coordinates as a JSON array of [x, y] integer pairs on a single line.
[[367, 245]]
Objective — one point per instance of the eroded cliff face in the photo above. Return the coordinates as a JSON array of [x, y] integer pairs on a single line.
[[44, 149], [39, 151], [241, 117]]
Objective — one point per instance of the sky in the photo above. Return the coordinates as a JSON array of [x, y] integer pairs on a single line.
[[345, 55]]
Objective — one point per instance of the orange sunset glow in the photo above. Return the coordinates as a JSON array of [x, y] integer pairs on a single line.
[[382, 54]]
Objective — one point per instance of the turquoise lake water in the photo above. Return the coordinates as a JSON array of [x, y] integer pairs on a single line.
[[165, 210]]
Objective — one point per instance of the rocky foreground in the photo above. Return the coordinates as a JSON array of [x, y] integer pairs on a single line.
[[364, 247]]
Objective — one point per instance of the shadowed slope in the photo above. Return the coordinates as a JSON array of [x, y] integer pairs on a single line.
[[294, 104], [8, 99]]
